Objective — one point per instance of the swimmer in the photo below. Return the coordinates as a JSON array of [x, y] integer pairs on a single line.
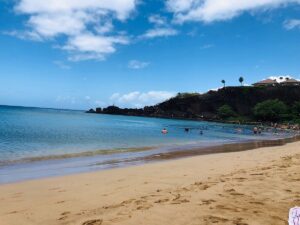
[[164, 131], [259, 130], [186, 129], [255, 130], [201, 132]]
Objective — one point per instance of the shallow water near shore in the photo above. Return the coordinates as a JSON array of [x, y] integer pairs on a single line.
[[36, 143]]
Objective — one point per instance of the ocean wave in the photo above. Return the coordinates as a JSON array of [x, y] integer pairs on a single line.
[[74, 155]]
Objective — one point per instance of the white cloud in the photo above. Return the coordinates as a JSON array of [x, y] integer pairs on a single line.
[[135, 64], [24, 35], [62, 65], [291, 24], [104, 28], [115, 96], [52, 25], [218, 10], [89, 46], [161, 28], [157, 20], [160, 32], [207, 46], [121, 8], [140, 99], [86, 25]]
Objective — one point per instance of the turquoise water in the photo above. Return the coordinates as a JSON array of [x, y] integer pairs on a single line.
[[39, 136]]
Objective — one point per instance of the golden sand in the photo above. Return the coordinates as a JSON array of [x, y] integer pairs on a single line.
[[253, 187]]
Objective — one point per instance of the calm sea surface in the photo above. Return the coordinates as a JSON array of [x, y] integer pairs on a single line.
[[38, 142]]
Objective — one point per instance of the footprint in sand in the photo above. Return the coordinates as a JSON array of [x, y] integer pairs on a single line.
[[179, 201], [266, 168], [128, 201], [207, 202], [60, 202], [202, 186], [162, 200], [176, 197], [224, 179], [62, 218], [239, 221], [215, 219], [13, 212], [240, 179], [233, 192], [93, 222], [257, 203], [124, 203], [223, 207], [64, 215], [256, 174], [144, 207]]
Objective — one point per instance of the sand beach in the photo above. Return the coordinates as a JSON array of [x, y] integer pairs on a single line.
[[248, 187]]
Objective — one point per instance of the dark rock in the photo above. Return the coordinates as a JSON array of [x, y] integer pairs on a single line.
[[205, 106], [98, 110], [91, 111]]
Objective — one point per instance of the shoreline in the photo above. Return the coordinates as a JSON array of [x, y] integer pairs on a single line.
[[226, 148], [94, 162], [224, 188]]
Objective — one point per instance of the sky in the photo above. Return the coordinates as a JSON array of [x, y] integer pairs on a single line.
[[81, 54]]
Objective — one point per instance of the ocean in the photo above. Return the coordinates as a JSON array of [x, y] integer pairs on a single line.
[[37, 142]]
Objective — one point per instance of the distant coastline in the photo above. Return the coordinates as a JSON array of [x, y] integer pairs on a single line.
[[40, 107], [240, 105]]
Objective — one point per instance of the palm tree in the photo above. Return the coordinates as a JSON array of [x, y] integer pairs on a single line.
[[223, 82], [241, 80]]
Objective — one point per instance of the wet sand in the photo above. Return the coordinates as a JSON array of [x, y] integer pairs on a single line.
[[245, 187], [67, 164]]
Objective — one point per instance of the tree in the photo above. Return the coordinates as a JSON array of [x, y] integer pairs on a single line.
[[225, 112], [241, 80], [270, 110], [296, 109], [223, 82]]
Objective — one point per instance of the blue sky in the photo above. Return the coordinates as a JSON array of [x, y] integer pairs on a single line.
[[80, 54]]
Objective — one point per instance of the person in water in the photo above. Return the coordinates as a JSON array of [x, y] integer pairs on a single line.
[[201, 132], [255, 130], [259, 130], [186, 129], [164, 131]]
